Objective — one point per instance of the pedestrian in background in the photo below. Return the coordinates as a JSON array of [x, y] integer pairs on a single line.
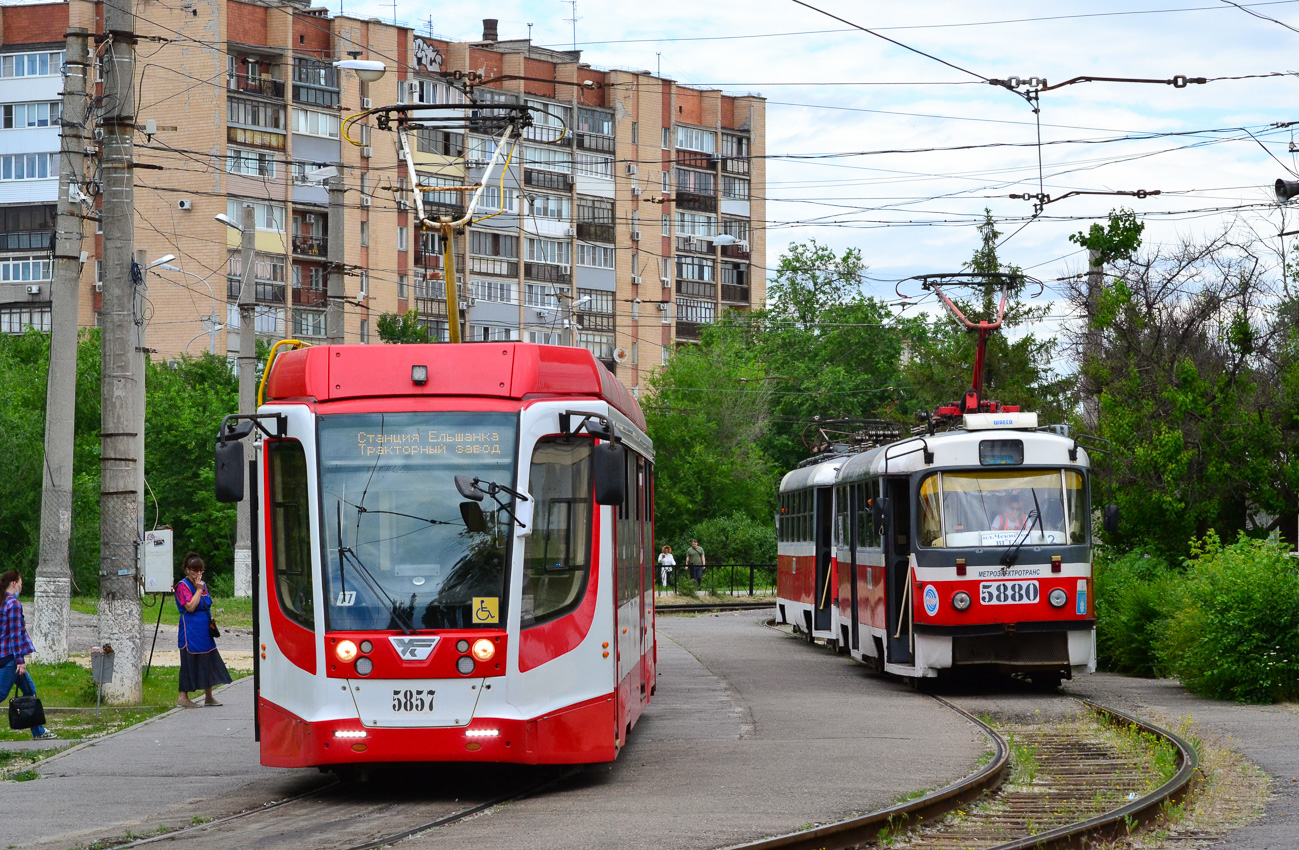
[[695, 560], [666, 563], [15, 645], [201, 667]]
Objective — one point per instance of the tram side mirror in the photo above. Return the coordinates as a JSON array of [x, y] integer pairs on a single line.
[[1110, 518], [472, 514], [230, 471], [610, 468], [465, 487]]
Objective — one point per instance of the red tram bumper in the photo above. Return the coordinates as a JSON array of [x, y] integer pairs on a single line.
[[577, 734]]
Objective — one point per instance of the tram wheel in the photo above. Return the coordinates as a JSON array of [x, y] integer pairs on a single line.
[[1045, 681]]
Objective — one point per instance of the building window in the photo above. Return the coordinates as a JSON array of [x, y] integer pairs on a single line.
[[601, 301], [255, 113], [735, 146], [19, 318], [594, 165], [487, 243], [544, 337], [403, 285], [595, 256], [501, 291], [696, 224], [550, 159], [28, 166], [312, 123], [696, 139], [735, 188], [30, 268], [554, 207], [635, 133], [665, 270], [601, 345], [549, 251], [43, 64], [595, 121], [257, 164], [402, 238], [365, 234], [700, 312], [269, 321], [667, 138], [667, 225], [365, 284], [429, 140], [737, 227], [16, 116], [696, 182], [492, 333], [539, 295], [493, 195], [694, 268], [365, 330], [309, 322], [269, 217]]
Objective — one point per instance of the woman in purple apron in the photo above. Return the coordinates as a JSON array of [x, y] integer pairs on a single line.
[[201, 667]]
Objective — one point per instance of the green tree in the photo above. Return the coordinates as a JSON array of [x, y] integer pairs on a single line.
[[402, 328]]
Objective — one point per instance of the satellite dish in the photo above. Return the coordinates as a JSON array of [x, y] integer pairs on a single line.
[[620, 355]]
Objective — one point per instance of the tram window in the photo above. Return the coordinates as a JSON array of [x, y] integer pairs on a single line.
[[1076, 495], [931, 529], [1001, 452], [291, 531], [986, 508], [556, 556]]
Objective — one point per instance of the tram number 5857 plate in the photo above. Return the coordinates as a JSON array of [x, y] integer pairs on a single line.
[[412, 700], [1007, 592]]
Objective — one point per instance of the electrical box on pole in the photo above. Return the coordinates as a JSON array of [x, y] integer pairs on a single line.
[[159, 565]]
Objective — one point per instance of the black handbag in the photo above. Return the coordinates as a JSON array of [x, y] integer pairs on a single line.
[[212, 629], [26, 713]]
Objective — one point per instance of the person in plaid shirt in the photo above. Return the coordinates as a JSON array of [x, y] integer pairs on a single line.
[[15, 645]]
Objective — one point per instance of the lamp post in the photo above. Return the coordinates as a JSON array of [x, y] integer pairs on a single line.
[[210, 320], [367, 71], [247, 360]]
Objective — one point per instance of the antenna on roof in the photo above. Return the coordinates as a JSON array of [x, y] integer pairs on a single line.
[[573, 20]]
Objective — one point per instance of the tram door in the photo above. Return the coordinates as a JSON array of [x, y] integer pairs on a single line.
[[897, 556], [824, 579], [854, 505]]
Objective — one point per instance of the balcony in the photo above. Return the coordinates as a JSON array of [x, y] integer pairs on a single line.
[[736, 251], [265, 292], [493, 266], [696, 289], [694, 245], [739, 166], [695, 202], [435, 209], [733, 293], [547, 273], [688, 331], [308, 297], [610, 364], [309, 95], [248, 84], [696, 159], [547, 179], [590, 231], [31, 240], [595, 321], [595, 142], [310, 246]]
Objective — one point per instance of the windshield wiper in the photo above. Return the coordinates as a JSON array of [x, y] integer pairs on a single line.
[[1012, 554], [344, 554], [470, 488]]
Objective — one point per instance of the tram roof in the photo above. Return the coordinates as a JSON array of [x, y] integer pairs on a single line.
[[515, 370], [960, 448], [813, 475]]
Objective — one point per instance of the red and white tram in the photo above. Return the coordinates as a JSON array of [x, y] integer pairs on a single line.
[[452, 555]]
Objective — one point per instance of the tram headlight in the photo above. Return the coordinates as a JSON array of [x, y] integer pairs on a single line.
[[960, 600], [1057, 597], [484, 649], [346, 650], [464, 665], [364, 666], [366, 647]]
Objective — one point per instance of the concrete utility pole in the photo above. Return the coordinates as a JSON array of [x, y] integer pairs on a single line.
[[1091, 341], [119, 587], [53, 572], [335, 289], [247, 388]]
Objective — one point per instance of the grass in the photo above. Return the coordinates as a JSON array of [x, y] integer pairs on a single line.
[[229, 611]]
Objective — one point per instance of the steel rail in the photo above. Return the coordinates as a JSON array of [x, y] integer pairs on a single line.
[[868, 828], [709, 607]]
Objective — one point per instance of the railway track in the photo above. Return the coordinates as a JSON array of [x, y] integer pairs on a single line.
[[1080, 786], [356, 815], [711, 607]]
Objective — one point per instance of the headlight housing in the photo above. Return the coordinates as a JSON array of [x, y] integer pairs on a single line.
[[960, 600], [1057, 597]]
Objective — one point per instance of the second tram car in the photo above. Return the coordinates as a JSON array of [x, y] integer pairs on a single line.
[[452, 559], [969, 549]]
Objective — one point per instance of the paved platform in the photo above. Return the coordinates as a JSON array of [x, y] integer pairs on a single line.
[[751, 734]]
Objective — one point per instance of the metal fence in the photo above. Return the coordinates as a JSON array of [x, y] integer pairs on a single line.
[[725, 579]]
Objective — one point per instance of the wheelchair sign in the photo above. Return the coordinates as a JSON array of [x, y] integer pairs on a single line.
[[487, 609]]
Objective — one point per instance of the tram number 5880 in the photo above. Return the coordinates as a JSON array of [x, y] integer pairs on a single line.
[[412, 700], [1008, 592]]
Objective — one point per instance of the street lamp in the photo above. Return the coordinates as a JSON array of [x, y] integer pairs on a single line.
[[367, 70], [213, 324], [226, 220]]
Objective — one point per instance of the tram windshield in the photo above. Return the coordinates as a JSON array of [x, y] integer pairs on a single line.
[[986, 508], [397, 553]]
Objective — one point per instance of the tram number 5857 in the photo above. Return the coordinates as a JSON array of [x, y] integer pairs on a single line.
[[1008, 592], [412, 700]]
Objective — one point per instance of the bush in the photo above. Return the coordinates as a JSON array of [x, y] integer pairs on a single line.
[[1237, 635], [1136, 594], [733, 539]]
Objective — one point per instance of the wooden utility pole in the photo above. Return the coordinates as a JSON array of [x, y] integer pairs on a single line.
[[53, 572], [119, 584], [243, 566]]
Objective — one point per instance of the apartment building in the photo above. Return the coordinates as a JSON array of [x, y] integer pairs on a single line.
[[626, 217]]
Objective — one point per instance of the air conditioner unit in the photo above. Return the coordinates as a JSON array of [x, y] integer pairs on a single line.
[[635, 236], [365, 103], [412, 92], [666, 281], [663, 306], [631, 169], [184, 204], [99, 287], [743, 245], [568, 180], [367, 152], [635, 280], [365, 201], [572, 231], [34, 289], [635, 191], [691, 244]]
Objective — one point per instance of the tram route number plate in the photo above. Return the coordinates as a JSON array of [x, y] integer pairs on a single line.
[[417, 700], [1008, 592]]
